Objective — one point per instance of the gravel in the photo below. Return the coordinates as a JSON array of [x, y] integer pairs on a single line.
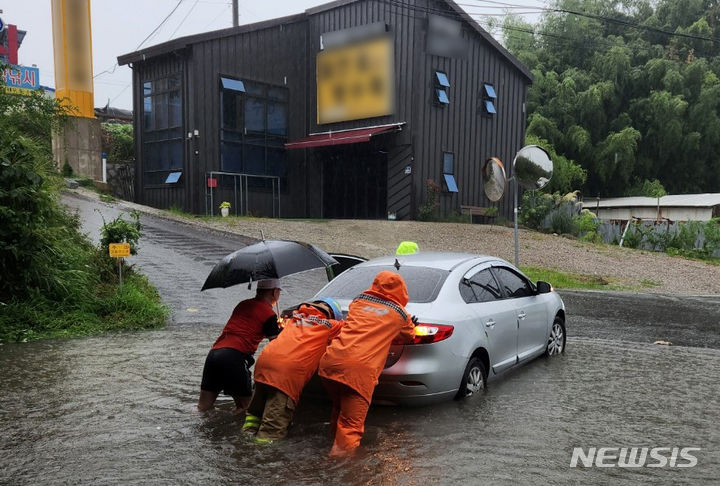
[[635, 270]]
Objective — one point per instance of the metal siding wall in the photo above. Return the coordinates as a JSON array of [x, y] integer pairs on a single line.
[[268, 55], [460, 127], [159, 197], [352, 15], [265, 56]]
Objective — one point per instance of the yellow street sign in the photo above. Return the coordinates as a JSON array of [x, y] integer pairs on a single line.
[[119, 250]]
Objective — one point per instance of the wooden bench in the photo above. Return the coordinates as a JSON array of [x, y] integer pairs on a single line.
[[478, 211]]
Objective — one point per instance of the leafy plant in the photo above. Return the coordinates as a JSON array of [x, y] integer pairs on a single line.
[[118, 142], [225, 204], [120, 230], [428, 210], [534, 208]]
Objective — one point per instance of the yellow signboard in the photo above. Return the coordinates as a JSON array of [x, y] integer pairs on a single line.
[[356, 81], [17, 91], [119, 250], [73, 54]]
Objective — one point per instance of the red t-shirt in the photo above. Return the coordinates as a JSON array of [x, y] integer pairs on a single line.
[[251, 321]]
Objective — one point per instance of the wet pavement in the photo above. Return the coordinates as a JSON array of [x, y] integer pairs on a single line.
[[119, 409]]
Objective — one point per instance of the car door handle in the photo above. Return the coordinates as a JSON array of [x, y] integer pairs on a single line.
[[490, 323], [522, 315]]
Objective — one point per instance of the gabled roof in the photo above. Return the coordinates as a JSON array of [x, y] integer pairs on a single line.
[[183, 42]]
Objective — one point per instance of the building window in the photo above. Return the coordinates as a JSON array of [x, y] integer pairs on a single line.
[[442, 83], [162, 148], [253, 128], [489, 99], [449, 172], [442, 79], [442, 97]]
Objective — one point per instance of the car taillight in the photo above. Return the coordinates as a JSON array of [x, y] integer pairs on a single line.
[[429, 333]]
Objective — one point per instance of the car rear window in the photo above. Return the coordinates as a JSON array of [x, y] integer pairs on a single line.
[[423, 283]]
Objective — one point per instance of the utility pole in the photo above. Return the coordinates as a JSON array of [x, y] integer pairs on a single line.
[[235, 13]]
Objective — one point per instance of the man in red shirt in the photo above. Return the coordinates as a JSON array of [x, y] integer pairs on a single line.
[[227, 366]]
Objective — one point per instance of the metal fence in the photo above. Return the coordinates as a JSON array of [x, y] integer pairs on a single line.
[[248, 194]]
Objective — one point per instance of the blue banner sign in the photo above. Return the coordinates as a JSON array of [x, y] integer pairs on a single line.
[[22, 77]]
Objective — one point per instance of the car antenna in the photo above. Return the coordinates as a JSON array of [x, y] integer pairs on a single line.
[[397, 264], [262, 235]]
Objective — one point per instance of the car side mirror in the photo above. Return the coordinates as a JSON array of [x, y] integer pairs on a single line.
[[543, 287]]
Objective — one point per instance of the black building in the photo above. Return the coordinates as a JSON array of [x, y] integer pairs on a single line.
[[343, 111]]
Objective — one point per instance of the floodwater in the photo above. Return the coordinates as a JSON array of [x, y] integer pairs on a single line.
[[120, 409]]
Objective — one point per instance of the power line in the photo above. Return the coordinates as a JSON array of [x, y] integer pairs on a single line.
[[184, 19], [601, 18], [160, 24], [115, 66], [218, 16]]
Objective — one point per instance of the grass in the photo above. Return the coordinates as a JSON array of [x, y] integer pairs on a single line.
[[563, 280], [137, 306]]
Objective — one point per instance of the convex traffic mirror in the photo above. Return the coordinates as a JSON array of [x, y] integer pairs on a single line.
[[494, 179], [533, 167]]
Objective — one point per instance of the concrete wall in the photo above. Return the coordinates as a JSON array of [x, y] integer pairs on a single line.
[[79, 144]]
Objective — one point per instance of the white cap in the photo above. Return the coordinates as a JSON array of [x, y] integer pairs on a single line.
[[270, 283]]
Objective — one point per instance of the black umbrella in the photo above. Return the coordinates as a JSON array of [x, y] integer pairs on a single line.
[[267, 259]]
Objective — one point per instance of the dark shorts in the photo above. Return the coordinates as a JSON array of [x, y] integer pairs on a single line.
[[227, 370]]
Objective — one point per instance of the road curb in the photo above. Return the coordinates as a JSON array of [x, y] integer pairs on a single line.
[[83, 193]]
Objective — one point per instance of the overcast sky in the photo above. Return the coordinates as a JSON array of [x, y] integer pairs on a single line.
[[119, 26]]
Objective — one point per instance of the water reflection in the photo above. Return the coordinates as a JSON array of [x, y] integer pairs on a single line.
[[120, 409]]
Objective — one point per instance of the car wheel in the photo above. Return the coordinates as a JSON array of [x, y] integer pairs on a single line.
[[474, 379], [556, 341]]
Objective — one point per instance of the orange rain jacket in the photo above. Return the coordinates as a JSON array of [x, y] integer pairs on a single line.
[[289, 361], [357, 356]]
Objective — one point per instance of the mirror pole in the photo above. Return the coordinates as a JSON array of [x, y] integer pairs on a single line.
[[515, 211]]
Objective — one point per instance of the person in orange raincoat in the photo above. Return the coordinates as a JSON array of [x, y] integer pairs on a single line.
[[354, 359], [286, 365]]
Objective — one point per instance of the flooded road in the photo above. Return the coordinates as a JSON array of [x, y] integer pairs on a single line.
[[120, 409]]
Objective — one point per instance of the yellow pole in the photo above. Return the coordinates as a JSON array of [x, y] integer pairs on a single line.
[[72, 43]]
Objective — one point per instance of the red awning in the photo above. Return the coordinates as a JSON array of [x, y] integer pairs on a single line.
[[341, 137]]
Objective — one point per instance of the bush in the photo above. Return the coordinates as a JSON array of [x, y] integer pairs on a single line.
[[562, 221], [534, 208], [53, 281], [118, 142], [428, 210]]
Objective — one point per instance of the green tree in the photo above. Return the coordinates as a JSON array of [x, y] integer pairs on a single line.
[[628, 89]]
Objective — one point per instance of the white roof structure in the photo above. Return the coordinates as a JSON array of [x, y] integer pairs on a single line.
[[680, 200], [687, 207]]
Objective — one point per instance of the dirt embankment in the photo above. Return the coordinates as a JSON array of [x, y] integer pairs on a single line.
[[635, 269]]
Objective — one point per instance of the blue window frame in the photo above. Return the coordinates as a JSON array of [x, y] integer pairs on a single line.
[[233, 84], [489, 98], [490, 91], [449, 171], [173, 177], [442, 96], [442, 79], [450, 183]]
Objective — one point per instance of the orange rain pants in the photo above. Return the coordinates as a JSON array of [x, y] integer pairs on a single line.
[[347, 423], [355, 358]]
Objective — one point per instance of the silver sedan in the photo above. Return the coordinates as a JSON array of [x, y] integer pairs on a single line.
[[478, 317]]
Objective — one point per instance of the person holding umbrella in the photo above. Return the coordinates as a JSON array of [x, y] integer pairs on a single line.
[[354, 359], [227, 366], [286, 365]]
